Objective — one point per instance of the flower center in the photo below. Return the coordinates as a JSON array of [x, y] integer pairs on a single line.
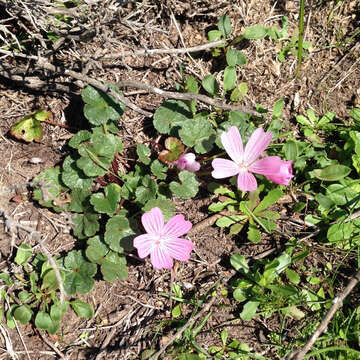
[[242, 167]]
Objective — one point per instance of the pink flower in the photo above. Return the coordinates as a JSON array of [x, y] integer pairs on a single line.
[[244, 162], [187, 162], [162, 240], [284, 175]]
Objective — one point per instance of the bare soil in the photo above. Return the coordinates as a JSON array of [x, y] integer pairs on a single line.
[[129, 313]]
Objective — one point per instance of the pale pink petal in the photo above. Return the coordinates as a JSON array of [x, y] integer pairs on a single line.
[[193, 167], [160, 258], [284, 176], [153, 221], [176, 226], [266, 166], [224, 168], [246, 181], [187, 162], [178, 248], [233, 145], [181, 162], [144, 244], [256, 145]]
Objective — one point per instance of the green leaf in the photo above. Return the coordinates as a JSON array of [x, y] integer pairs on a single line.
[[72, 176], [79, 278], [43, 321], [80, 137], [57, 310], [101, 107], [271, 198], [176, 311], [235, 57], [338, 233], [159, 170], [274, 268], [112, 266], [25, 296], [255, 32], [291, 150], [239, 92], [214, 35], [239, 263], [293, 276], [52, 180], [147, 190], [304, 121], [332, 173], [118, 234], [278, 109], [174, 148], [210, 84], [23, 314], [224, 25], [23, 254], [224, 337], [189, 185], [236, 228], [82, 309], [108, 203], [249, 310], [254, 234], [10, 322], [98, 153], [191, 85], [86, 224], [198, 133], [42, 115], [355, 115], [221, 205], [170, 116], [79, 200], [143, 153], [49, 282], [228, 220], [166, 206], [230, 78], [28, 129]]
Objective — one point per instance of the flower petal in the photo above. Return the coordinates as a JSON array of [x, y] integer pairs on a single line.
[[246, 181], [224, 168], [284, 175], [258, 142], [193, 167], [266, 166], [176, 226], [144, 243], [187, 162], [153, 221], [179, 248], [160, 258], [233, 145]]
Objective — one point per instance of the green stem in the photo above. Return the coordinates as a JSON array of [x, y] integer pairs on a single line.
[[301, 36], [213, 157]]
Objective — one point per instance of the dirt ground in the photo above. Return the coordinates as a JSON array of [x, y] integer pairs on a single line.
[[128, 313]]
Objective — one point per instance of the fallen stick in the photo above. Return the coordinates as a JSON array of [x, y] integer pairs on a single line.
[[337, 302]]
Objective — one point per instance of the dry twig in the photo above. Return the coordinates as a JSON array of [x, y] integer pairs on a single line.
[[184, 50], [337, 302]]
